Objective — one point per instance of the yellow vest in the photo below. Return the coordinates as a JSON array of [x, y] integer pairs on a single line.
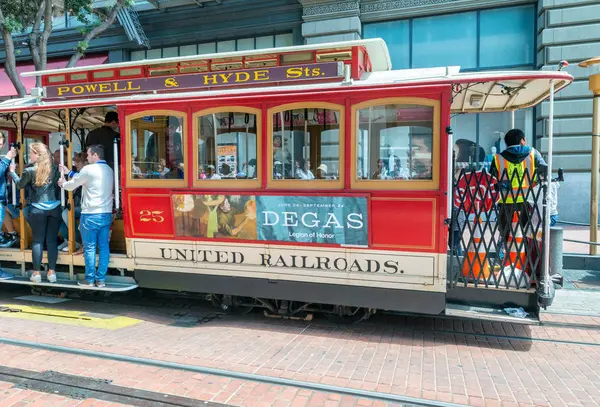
[[519, 191]]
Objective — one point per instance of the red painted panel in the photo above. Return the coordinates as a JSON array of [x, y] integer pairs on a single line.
[[150, 215], [404, 223]]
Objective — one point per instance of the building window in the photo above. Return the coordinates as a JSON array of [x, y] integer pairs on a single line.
[[476, 135], [500, 30], [445, 40], [474, 40], [399, 48], [242, 44]]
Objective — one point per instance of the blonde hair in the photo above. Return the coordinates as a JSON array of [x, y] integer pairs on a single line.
[[43, 164]]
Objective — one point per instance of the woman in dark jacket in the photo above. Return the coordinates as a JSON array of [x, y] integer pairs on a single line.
[[45, 216]]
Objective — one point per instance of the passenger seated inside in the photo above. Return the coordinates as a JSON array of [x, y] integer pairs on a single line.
[[210, 173], [169, 165], [303, 170]]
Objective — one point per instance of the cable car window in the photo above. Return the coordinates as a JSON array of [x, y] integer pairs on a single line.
[[157, 147], [227, 146], [395, 142], [306, 144]]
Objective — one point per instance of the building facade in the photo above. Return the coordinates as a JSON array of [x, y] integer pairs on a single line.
[[474, 34]]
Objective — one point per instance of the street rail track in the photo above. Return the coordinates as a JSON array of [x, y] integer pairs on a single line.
[[319, 387], [80, 387]]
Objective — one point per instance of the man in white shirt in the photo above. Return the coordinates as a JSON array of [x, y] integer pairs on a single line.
[[96, 179]]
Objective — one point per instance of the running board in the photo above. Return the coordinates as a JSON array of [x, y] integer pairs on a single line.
[[113, 283], [488, 314]]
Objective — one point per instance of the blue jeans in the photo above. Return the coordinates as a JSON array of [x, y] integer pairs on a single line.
[[95, 229], [2, 213]]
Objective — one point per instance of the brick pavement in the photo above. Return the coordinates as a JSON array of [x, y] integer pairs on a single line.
[[433, 358]]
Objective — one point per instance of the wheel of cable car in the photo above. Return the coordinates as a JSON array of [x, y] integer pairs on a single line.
[[346, 315], [233, 304]]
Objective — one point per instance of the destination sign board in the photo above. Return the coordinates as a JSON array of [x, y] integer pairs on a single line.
[[325, 70]]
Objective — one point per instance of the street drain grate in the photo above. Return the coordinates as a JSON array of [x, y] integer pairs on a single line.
[[186, 321]]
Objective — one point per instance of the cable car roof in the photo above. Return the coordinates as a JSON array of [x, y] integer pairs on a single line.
[[376, 49], [472, 92]]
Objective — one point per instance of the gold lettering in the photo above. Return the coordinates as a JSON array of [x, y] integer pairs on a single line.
[[77, 90], [238, 77], [262, 75], [117, 89], [130, 86], [209, 78], [226, 77], [293, 73], [104, 87], [316, 72], [91, 88], [171, 83], [63, 89]]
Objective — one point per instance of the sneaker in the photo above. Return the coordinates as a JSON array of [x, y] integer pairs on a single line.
[[64, 245], [51, 277], [66, 248], [5, 276], [84, 283], [36, 278], [100, 284], [9, 241]]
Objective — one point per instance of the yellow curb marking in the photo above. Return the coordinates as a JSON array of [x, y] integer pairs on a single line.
[[77, 318]]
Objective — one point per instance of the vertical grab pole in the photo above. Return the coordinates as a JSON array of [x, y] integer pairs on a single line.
[[512, 119], [22, 224], [216, 147], [368, 158], [546, 288], [282, 147], [116, 142], [70, 205], [14, 188], [62, 175], [451, 170], [246, 170]]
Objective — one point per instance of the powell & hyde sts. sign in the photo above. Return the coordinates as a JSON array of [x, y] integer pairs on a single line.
[[325, 70]]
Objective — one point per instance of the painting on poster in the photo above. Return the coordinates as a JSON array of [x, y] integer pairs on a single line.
[[215, 216], [313, 219]]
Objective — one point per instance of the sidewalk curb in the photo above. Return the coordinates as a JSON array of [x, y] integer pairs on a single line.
[[573, 261]]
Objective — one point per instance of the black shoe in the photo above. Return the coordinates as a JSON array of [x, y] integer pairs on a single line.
[[9, 241], [3, 238]]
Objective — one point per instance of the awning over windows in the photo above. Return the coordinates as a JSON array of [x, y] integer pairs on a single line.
[[7, 89]]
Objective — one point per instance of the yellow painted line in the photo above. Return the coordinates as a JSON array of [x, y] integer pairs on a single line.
[[77, 318]]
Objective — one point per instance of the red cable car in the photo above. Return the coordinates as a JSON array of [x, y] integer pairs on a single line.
[[302, 179]]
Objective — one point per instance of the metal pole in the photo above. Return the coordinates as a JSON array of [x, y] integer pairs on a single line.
[[116, 172], [512, 119], [62, 175], [595, 170], [594, 85], [556, 250], [548, 182], [545, 288]]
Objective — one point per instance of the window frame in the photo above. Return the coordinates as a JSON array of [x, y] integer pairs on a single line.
[[411, 184], [157, 183], [317, 184], [228, 183]]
